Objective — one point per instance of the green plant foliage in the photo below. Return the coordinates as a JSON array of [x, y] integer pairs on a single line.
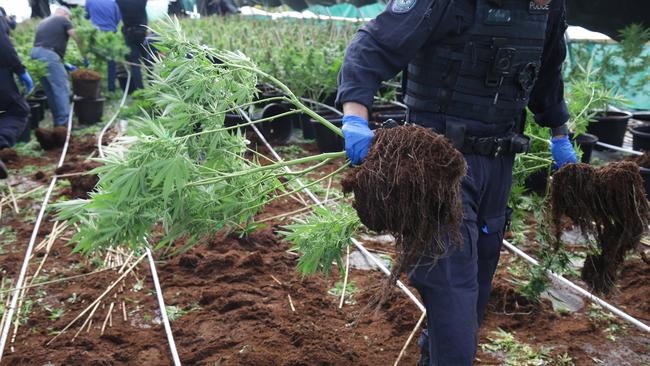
[[145, 178], [321, 238], [305, 54], [99, 46], [516, 353], [615, 68]]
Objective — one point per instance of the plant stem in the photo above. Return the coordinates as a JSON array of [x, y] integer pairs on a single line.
[[308, 159], [295, 111]]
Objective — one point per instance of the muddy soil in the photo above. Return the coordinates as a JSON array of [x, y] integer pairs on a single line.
[[236, 294]]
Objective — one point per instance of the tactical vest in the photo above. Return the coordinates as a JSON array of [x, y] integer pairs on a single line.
[[487, 72]]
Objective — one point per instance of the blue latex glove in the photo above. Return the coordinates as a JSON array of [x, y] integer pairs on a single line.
[[86, 63], [358, 137], [563, 152], [70, 67], [27, 82]]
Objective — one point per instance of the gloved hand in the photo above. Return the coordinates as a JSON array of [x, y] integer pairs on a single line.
[[70, 67], [26, 81], [86, 63], [357, 136], [563, 152]]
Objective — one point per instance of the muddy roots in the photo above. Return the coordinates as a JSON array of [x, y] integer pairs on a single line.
[[409, 186], [608, 204], [51, 139]]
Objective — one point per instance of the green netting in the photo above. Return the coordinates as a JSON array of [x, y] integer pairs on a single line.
[[348, 10]]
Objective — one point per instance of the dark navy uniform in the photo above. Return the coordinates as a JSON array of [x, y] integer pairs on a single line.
[[471, 67], [13, 107]]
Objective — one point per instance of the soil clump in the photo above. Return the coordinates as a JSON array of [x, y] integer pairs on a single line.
[[607, 204], [81, 182], [409, 186], [51, 139], [85, 74]]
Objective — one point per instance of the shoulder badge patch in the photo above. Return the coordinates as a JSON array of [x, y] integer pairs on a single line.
[[402, 6], [535, 8]]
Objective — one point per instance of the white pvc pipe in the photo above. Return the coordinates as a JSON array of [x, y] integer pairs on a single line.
[[618, 148], [152, 264], [6, 326], [110, 122], [163, 310], [316, 200], [584, 293]]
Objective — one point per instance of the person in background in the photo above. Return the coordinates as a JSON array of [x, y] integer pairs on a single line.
[[13, 106], [50, 44], [10, 19], [105, 16], [134, 17], [40, 8]]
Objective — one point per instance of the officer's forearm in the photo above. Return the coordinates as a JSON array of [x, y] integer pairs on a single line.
[[355, 109]]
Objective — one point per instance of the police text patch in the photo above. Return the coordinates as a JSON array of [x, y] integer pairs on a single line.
[[402, 6], [534, 8]]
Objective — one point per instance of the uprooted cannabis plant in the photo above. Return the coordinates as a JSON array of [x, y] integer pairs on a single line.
[[180, 171]]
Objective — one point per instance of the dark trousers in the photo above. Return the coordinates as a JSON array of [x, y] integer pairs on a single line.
[[112, 75], [134, 38], [13, 110], [456, 288]]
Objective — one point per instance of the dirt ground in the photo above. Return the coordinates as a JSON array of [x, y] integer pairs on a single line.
[[234, 299]]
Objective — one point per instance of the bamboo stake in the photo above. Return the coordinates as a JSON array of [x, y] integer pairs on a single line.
[[410, 338], [96, 305], [13, 198], [327, 192], [100, 298], [291, 303], [345, 279], [276, 280]]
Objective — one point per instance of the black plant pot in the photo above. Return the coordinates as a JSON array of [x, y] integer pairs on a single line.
[[279, 129], [586, 141], [307, 128], [89, 111], [40, 98], [232, 120], [641, 138], [642, 116], [610, 127], [537, 182], [36, 115], [326, 139], [89, 89]]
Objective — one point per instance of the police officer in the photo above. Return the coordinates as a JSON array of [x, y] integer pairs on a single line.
[[471, 67], [13, 106]]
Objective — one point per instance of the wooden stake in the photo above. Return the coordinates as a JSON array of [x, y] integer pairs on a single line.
[[98, 300], [13, 198], [410, 338], [124, 311], [345, 279], [276, 280]]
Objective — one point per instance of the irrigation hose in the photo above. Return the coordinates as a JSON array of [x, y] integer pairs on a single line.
[[110, 122], [6, 326], [584, 293], [152, 264], [617, 148], [358, 244]]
